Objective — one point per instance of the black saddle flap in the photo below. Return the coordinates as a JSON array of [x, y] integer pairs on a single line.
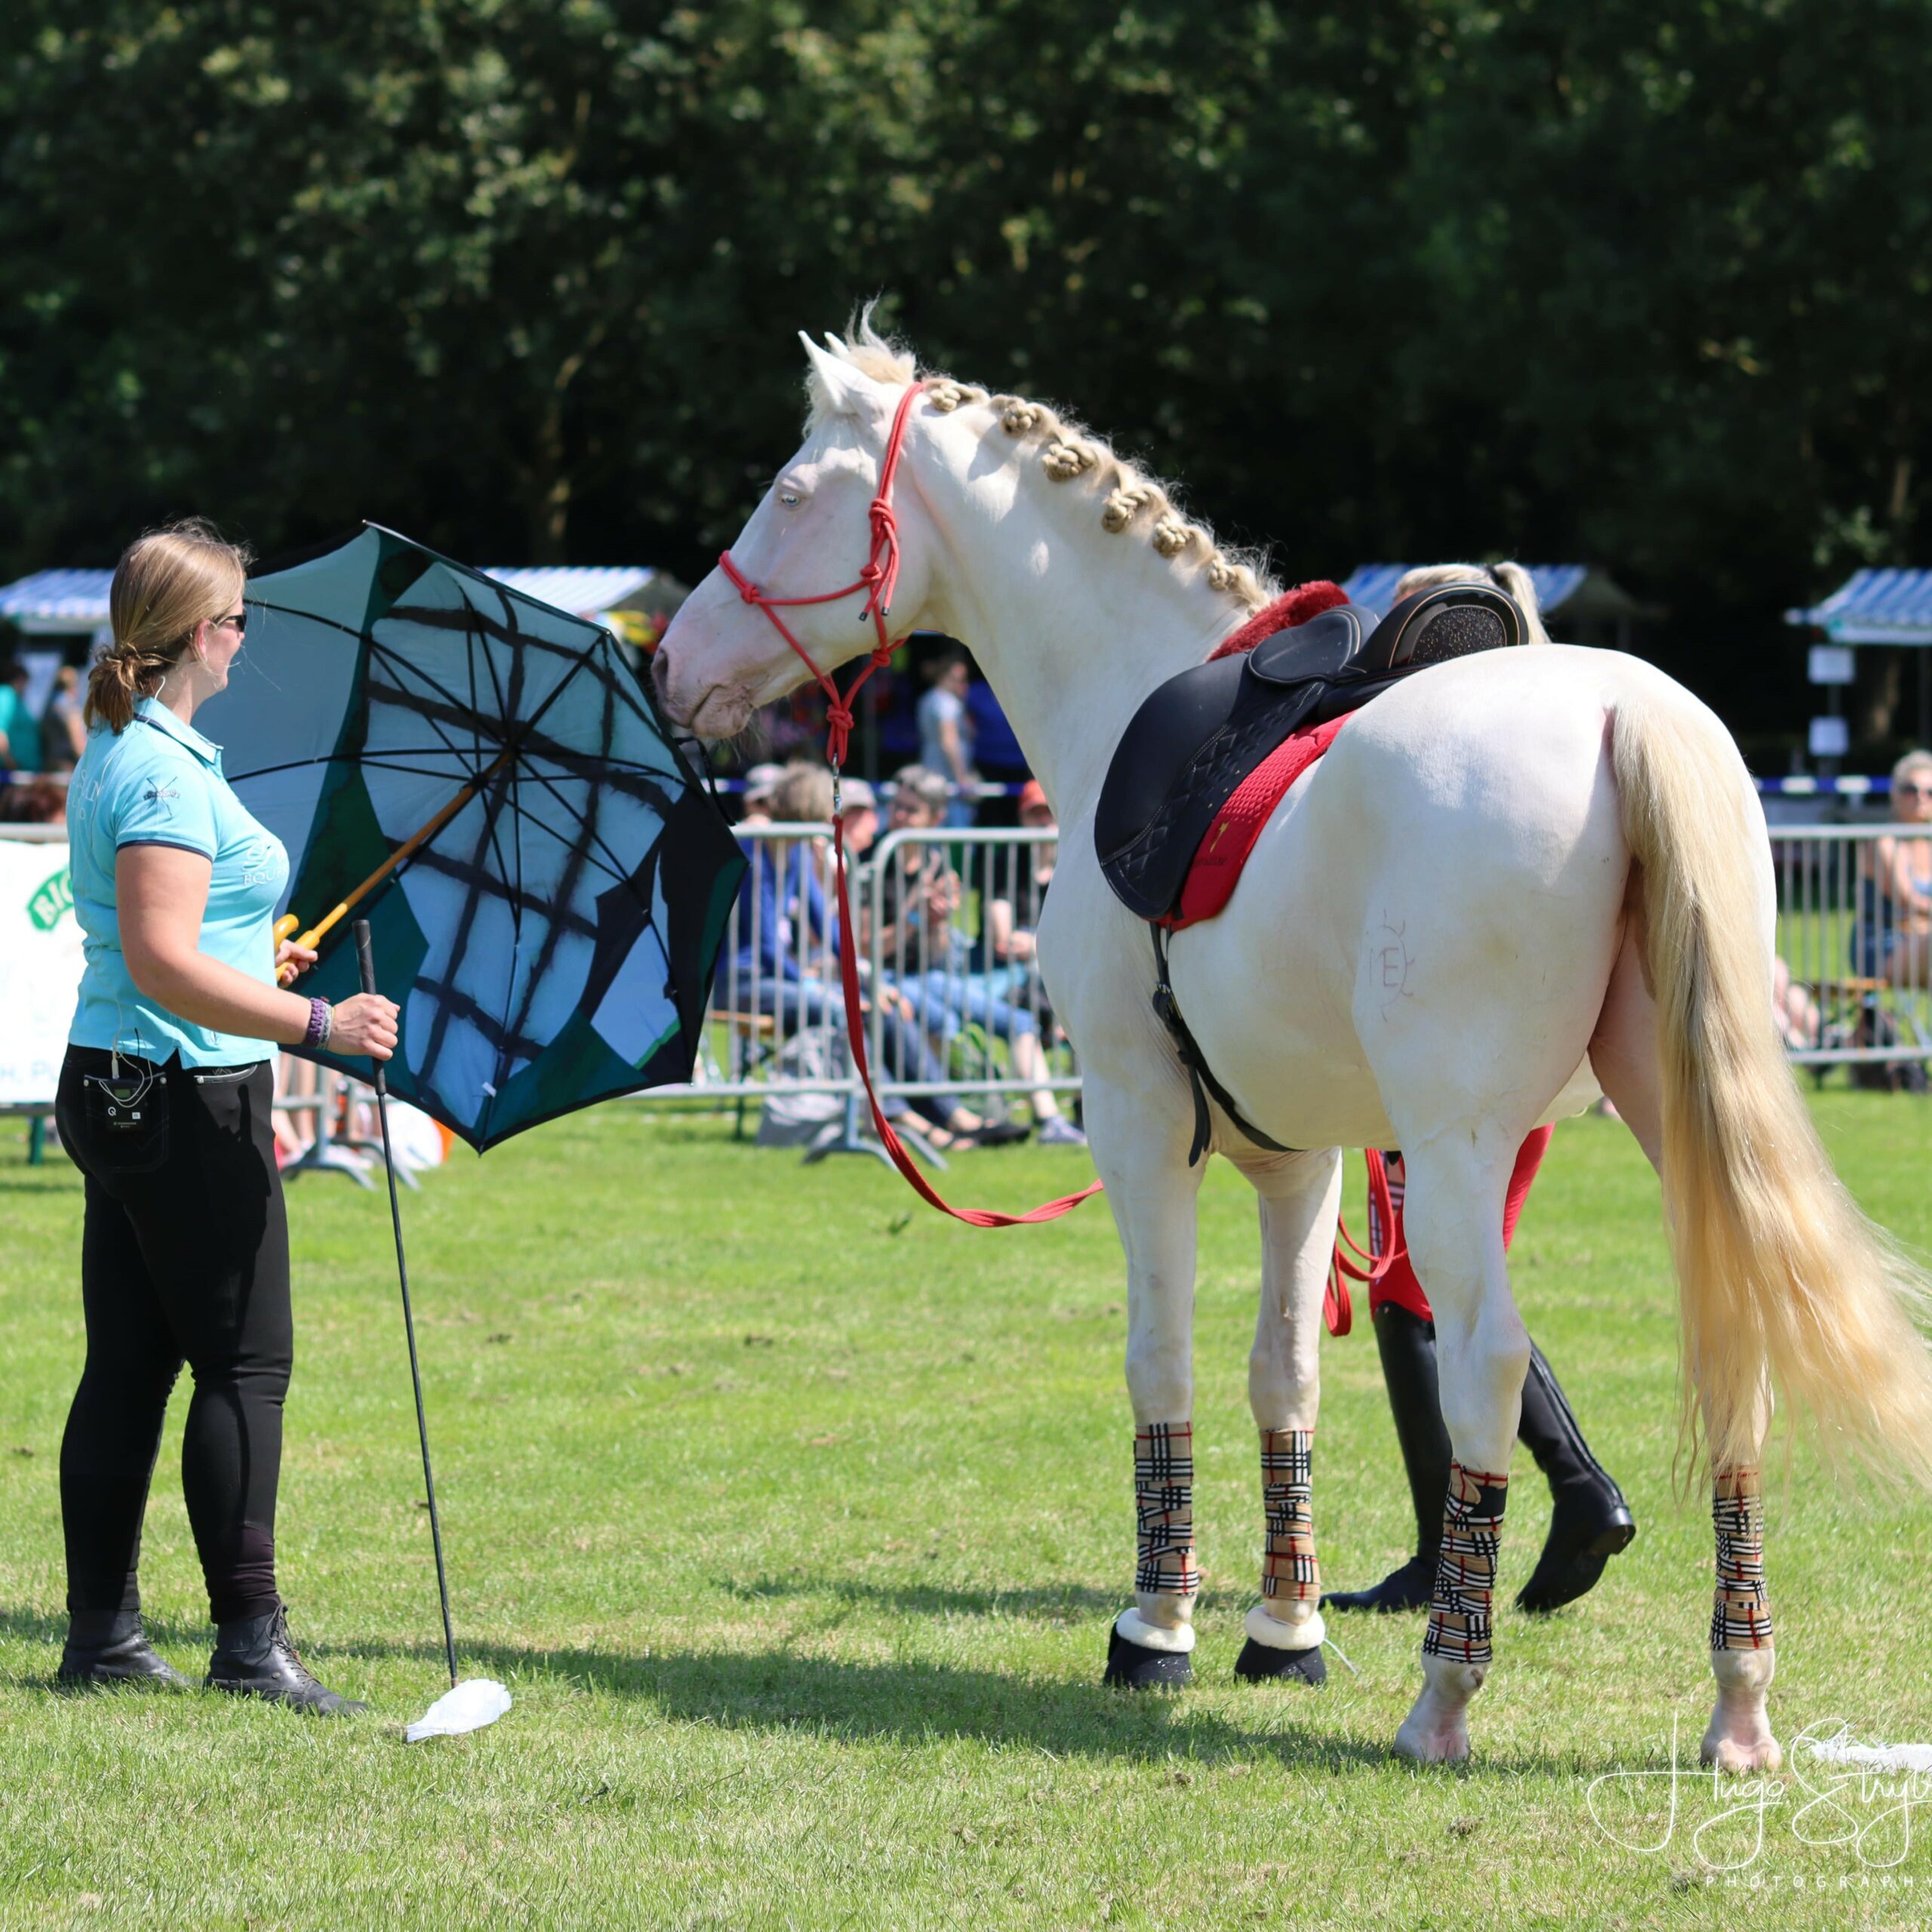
[[1323, 647], [1192, 743]]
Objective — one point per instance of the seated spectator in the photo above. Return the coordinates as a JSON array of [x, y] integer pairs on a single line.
[[1890, 935], [38, 800], [1012, 924], [761, 781], [786, 963], [858, 813], [924, 957]]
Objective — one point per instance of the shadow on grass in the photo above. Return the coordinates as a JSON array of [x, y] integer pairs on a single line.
[[916, 1703], [909, 1703]]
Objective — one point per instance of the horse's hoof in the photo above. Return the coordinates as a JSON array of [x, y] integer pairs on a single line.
[[1257, 1664], [1733, 1756], [1739, 1736], [1132, 1666], [1426, 1739]]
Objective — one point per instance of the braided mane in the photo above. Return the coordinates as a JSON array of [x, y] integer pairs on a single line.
[[1130, 501]]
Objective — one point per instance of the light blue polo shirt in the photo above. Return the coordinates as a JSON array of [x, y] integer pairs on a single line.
[[159, 782]]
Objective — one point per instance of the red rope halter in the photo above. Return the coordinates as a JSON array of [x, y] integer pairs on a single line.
[[878, 579]]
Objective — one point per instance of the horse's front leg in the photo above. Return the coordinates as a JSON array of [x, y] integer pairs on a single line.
[[1300, 1196], [1140, 1148], [1454, 1221]]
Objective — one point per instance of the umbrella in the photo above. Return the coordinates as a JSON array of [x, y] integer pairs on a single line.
[[484, 781], [547, 877]]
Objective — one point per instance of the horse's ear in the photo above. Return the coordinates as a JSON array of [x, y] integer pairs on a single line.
[[839, 389]]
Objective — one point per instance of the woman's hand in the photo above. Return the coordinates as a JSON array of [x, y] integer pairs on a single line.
[[291, 961], [364, 1025]]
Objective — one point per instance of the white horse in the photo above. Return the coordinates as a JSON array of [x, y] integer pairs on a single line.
[[1515, 877]]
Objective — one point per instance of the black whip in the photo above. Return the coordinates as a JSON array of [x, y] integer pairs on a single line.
[[366, 955]]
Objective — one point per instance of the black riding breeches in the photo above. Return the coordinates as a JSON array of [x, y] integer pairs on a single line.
[[184, 1256]]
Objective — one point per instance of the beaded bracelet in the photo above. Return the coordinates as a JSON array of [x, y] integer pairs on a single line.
[[322, 1024]]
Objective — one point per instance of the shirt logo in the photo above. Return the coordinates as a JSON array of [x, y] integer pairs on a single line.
[[257, 862], [157, 793]]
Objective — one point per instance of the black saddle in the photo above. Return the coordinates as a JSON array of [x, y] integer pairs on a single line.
[[1201, 734]]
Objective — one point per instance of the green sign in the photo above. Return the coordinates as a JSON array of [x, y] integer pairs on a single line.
[[51, 898]]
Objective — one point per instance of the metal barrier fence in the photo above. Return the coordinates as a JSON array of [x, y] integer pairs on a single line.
[[1855, 943], [955, 1011], [955, 1004]]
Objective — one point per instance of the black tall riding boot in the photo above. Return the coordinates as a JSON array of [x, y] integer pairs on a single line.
[[1591, 1521], [254, 1656], [1407, 1345], [108, 1647]]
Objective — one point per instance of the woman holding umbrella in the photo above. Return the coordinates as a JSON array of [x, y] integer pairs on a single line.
[[164, 1103]]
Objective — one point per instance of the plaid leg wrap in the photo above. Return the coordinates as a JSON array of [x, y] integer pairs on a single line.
[[1465, 1572], [1288, 1565], [1164, 1508], [1741, 1617]]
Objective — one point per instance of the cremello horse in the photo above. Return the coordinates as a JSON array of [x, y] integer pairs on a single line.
[[1515, 877]]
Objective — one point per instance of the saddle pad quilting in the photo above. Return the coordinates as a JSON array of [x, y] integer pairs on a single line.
[[1217, 865]]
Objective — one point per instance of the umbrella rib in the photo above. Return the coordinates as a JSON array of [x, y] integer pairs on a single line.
[[574, 864]]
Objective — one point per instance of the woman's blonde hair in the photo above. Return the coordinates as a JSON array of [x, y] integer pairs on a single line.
[[166, 584], [1916, 761], [1511, 578]]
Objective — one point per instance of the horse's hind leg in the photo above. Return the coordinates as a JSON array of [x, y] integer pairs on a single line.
[[1454, 1221], [1624, 1057], [1299, 1195]]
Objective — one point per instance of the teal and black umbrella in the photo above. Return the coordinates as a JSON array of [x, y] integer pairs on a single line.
[[487, 781]]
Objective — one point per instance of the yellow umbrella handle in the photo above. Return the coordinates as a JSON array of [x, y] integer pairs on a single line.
[[288, 922]]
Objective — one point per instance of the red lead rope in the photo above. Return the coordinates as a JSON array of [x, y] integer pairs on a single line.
[[877, 579], [855, 1031]]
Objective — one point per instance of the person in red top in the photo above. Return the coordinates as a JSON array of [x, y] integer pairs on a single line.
[[1590, 1523]]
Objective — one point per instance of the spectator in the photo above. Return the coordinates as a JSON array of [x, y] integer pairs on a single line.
[[926, 959], [858, 813], [787, 954], [19, 731], [1012, 924], [38, 800], [946, 733], [1889, 936], [760, 783], [64, 729]]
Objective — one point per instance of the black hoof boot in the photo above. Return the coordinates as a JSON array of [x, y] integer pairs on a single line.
[[1133, 1666], [1588, 1528], [1259, 1664], [1412, 1587], [109, 1648], [255, 1657]]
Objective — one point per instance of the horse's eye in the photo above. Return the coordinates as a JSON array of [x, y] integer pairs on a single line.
[[790, 501]]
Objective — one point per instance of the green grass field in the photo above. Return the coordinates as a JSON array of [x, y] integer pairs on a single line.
[[795, 1514]]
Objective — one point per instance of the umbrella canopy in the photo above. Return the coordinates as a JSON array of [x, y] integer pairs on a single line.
[[551, 943]]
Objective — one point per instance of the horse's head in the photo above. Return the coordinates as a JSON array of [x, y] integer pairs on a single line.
[[723, 656]]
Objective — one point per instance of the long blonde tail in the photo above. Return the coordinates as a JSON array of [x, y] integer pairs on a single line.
[[1781, 1278]]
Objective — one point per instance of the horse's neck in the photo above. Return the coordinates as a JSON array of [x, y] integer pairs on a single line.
[[1072, 634]]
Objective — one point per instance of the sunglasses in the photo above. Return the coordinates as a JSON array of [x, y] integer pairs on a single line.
[[1914, 791], [239, 619]]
